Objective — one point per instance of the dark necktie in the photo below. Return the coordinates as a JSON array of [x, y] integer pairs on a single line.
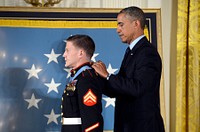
[[126, 55], [127, 52]]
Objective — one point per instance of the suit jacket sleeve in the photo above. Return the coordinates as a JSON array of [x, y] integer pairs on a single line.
[[141, 73]]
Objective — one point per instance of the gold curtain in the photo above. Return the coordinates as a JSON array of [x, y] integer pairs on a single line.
[[188, 67]]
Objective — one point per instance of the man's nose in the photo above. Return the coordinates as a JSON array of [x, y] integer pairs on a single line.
[[118, 30]]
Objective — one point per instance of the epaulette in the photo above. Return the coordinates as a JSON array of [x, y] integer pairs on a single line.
[[73, 71], [88, 73]]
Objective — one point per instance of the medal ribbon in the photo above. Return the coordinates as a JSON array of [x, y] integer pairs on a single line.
[[78, 72]]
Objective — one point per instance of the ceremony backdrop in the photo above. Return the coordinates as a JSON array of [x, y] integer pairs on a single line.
[[32, 72]]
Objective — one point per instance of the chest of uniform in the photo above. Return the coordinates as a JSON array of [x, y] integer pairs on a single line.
[[71, 89]]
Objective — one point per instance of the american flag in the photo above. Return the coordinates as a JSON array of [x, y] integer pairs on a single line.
[[33, 76]]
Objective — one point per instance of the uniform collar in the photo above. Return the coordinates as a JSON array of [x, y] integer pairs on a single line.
[[74, 71]]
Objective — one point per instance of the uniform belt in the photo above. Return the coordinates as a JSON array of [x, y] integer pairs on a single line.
[[71, 121]]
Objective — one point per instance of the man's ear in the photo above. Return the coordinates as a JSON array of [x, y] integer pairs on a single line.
[[81, 53], [137, 23]]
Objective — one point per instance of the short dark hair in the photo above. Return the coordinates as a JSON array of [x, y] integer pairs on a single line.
[[135, 13], [84, 42]]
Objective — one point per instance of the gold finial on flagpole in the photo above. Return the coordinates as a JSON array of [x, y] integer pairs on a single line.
[[51, 3], [37, 3], [42, 3]]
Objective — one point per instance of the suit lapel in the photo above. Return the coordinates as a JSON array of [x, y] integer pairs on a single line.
[[139, 44]]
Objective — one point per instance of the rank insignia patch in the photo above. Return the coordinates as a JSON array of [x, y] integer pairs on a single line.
[[89, 98]]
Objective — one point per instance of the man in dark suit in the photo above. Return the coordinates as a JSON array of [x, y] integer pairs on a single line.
[[136, 86]]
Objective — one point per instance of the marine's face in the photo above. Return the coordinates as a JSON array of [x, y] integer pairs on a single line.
[[125, 28], [71, 55]]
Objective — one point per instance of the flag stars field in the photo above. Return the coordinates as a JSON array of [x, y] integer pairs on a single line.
[[52, 57], [33, 102], [33, 72], [52, 117], [52, 86]]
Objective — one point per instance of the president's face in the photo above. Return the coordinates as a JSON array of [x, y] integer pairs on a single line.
[[125, 28]]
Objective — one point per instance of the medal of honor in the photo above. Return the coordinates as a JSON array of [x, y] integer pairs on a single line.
[[71, 86]]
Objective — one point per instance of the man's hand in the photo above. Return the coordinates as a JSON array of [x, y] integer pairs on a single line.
[[100, 68]]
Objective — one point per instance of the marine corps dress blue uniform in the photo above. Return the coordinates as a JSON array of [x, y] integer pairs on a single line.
[[81, 101]]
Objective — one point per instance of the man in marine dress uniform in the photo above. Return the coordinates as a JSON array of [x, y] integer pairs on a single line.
[[81, 100]]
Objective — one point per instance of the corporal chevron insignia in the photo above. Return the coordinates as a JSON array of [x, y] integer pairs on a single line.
[[89, 98]]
